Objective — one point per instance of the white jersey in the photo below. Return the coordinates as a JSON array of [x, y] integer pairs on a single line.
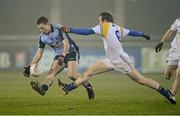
[[176, 27], [112, 35]]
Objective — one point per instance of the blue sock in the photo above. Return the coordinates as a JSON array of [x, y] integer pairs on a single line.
[[71, 86], [163, 91]]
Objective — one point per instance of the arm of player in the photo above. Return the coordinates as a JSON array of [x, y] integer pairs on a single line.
[[66, 47], [138, 34], [166, 37], [81, 31], [37, 56], [65, 50], [36, 59]]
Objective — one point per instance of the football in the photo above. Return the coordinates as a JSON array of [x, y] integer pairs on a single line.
[[36, 70]]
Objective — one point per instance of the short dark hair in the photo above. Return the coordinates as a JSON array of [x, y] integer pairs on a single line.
[[42, 19], [107, 16]]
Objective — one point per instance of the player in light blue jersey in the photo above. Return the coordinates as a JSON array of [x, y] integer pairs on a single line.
[[66, 52], [116, 58]]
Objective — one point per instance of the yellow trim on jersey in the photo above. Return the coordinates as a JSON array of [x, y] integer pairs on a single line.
[[105, 29], [121, 30]]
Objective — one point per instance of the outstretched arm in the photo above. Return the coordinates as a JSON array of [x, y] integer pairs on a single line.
[[36, 59], [138, 34], [166, 37], [37, 56], [81, 31]]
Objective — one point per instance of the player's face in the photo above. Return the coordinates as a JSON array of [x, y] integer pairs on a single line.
[[43, 28]]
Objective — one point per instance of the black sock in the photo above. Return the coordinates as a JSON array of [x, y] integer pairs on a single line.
[[45, 87], [86, 84], [72, 78], [163, 91]]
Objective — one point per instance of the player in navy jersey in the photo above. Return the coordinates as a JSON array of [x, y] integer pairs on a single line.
[[66, 52]]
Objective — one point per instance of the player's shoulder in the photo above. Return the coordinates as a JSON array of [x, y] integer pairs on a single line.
[[57, 25], [178, 19]]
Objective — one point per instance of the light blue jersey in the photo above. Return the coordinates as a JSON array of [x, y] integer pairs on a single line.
[[54, 39]]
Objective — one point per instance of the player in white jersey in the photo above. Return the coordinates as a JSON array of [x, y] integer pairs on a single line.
[[65, 50], [116, 59], [173, 58]]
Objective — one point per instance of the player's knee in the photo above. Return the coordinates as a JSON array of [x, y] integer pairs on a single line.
[[71, 74], [51, 71], [167, 75], [141, 81]]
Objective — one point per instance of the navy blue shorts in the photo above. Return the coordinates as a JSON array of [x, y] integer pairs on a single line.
[[69, 57]]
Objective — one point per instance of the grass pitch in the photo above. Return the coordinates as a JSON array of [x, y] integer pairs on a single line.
[[115, 94]]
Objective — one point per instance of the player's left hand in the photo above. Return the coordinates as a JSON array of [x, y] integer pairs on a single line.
[[26, 72], [60, 60], [158, 47], [147, 36]]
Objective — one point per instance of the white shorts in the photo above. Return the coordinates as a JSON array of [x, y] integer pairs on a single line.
[[173, 57], [123, 64]]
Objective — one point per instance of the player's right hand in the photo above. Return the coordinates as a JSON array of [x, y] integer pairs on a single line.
[[158, 47], [65, 29], [26, 72], [147, 36], [60, 60]]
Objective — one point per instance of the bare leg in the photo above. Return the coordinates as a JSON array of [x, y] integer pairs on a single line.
[[99, 67], [169, 71], [55, 69], [136, 76], [96, 68], [72, 70], [176, 84], [73, 73]]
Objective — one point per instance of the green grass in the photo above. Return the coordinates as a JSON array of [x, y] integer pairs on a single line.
[[115, 94]]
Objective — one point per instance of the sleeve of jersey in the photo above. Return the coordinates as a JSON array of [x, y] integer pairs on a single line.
[[83, 31], [126, 32], [174, 26], [97, 29], [135, 33], [41, 44]]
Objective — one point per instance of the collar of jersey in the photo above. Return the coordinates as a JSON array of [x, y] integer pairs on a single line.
[[52, 29]]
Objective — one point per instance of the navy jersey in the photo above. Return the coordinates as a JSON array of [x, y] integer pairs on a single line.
[[54, 39]]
